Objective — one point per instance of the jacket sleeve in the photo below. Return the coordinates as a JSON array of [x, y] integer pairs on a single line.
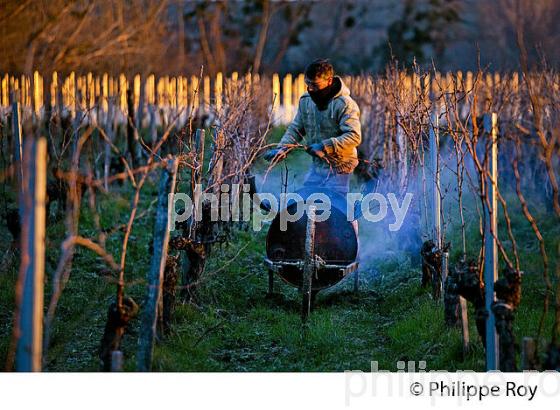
[[295, 130], [350, 127]]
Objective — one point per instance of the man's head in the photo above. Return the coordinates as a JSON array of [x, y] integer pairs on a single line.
[[318, 75]]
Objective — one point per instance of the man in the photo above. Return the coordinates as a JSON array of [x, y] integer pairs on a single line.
[[329, 119]]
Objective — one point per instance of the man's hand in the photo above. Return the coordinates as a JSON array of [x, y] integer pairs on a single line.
[[316, 150], [276, 154]]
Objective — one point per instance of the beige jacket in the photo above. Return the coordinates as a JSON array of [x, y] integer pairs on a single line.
[[338, 127]]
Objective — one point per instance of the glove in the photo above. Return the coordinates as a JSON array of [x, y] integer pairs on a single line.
[[316, 150], [275, 153]]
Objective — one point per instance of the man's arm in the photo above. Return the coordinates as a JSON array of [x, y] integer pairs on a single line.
[[350, 126]]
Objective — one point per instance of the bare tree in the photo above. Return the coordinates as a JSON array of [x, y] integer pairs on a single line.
[[87, 35]]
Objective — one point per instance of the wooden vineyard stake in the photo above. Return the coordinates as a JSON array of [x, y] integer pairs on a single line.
[[29, 293], [434, 151], [16, 130], [528, 354], [309, 264], [464, 324], [444, 265], [275, 98], [491, 249], [153, 301], [437, 282], [218, 91], [287, 98]]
